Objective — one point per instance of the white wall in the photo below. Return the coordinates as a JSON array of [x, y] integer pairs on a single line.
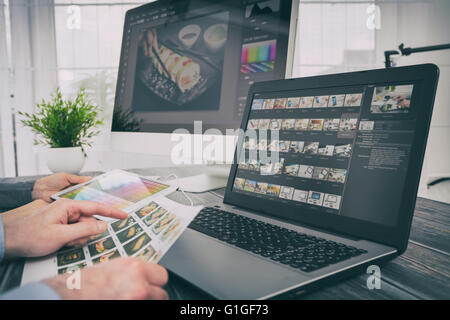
[[333, 37], [417, 24]]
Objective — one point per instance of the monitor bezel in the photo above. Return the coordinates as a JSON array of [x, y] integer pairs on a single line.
[[397, 235]]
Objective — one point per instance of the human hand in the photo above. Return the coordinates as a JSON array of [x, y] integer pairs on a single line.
[[149, 40], [64, 222], [123, 278], [45, 187], [405, 103], [399, 97]]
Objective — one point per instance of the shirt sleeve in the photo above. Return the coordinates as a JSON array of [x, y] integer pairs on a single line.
[[32, 291], [14, 194], [2, 240]]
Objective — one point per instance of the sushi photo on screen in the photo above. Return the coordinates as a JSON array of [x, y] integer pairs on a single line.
[[179, 64]]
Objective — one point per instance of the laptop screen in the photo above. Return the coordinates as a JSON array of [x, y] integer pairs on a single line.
[[338, 150]]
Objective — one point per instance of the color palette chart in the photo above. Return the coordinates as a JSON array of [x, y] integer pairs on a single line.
[[258, 56], [133, 190], [90, 194], [117, 188]]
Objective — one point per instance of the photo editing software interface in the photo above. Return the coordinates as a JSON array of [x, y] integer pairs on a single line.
[[195, 60], [338, 150]]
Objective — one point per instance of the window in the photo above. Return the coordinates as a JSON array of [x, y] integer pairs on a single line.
[[332, 37], [88, 43]]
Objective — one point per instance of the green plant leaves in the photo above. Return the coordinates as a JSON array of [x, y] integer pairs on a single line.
[[63, 123]]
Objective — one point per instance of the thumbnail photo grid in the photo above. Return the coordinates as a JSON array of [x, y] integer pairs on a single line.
[[294, 156], [298, 147], [326, 101], [327, 200], [346, 123], [146, 234], [305, 171]]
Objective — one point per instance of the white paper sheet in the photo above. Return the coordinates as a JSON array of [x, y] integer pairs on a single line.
[[147, 233]]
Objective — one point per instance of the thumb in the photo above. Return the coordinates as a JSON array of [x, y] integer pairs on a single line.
[[83, 229], [74, 179]]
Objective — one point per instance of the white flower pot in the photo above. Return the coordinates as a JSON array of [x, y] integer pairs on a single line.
[[69, 160]]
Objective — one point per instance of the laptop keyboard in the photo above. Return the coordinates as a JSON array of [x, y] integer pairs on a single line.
[[297, 250]]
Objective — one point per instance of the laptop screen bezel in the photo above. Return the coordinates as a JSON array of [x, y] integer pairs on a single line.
[[397, 235]]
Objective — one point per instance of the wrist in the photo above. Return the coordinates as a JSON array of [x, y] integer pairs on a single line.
[[12, 243], [35, 192]]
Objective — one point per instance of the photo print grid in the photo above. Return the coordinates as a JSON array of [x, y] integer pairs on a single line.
[[146, 234]]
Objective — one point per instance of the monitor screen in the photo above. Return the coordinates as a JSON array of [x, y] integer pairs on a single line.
[[186, 61], [339, 150]]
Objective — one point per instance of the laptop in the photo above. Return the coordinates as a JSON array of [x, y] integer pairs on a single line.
[[323, 185]]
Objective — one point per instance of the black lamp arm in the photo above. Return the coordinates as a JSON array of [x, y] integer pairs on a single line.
[[407, 51]]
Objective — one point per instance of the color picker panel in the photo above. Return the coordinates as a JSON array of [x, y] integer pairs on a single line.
[[258, 52]]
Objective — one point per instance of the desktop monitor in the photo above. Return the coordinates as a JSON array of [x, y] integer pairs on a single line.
[[188, 65]]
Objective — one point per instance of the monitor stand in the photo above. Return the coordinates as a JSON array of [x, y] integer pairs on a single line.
[[215, 177]]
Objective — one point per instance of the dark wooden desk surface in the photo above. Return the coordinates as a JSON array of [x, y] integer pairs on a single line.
[[422, 272]]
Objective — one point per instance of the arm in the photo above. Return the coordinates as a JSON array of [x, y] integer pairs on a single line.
[[17, 197], [69, 221], [23, 211]]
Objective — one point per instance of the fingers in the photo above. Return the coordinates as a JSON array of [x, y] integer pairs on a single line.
[[78, 242], [47, 196], [77, 208], [74, 179], [82, 241], [71, 233], [157, 293], [155, 40], [156, 274], [144, 45], [150, 37]]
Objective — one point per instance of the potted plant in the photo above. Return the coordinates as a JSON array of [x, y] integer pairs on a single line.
[[66, 127]]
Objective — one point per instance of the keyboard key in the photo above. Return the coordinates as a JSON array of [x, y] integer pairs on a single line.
[[297, 250]]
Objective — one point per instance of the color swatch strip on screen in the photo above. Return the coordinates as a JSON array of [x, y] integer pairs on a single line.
[[257, 67], [258, 52]]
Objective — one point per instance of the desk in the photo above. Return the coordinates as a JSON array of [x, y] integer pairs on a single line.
[[422, 272]]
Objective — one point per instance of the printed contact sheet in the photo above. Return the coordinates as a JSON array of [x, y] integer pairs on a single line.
[[147, 233]]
